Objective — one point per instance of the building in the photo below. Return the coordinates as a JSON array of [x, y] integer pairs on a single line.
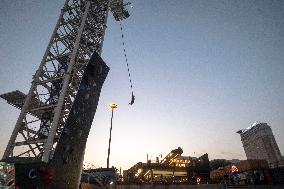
[[259, 143], [174, 168]]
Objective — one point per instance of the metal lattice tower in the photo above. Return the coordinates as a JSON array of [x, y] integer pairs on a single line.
[[78, 33]]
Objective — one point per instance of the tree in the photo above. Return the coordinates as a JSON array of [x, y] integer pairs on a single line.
[[216, 163]]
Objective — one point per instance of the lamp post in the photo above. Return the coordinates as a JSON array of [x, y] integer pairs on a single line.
[[112, 106]]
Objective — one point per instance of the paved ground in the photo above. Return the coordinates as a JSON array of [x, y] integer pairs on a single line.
[[260, 187], [207, 186]]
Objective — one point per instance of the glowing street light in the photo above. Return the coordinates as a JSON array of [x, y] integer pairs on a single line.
[[112, 106]]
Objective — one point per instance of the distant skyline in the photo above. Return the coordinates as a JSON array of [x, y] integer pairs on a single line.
[[202, 70]]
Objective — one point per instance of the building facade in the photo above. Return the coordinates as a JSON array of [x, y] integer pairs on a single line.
[[259, 143]]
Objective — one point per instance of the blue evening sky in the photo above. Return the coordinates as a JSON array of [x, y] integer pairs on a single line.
[[202, 69]]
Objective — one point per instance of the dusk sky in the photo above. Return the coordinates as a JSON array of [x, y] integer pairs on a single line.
[[202, 70]]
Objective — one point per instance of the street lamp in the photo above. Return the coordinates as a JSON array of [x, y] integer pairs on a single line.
[[112, 106]]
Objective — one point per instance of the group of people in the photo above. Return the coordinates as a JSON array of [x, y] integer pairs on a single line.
[[253, 178]]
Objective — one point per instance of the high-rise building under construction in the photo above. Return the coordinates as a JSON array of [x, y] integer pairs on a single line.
[[259, 143]]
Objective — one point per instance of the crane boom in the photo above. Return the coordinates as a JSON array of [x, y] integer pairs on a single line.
[[76, 39]]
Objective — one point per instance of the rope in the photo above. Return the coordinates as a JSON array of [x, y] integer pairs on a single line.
[[127, 65]]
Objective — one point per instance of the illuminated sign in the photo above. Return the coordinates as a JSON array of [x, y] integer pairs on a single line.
[[7, 175], [234, 169]]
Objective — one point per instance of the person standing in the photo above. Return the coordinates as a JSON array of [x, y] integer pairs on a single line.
[[223, 183]]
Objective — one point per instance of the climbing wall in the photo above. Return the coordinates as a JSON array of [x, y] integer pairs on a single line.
[[64, 170], [70, 150]]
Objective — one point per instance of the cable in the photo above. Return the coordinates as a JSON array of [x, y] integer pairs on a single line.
[[127, 65]]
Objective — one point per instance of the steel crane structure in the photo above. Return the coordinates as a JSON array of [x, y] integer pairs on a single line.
[[48, 141]]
